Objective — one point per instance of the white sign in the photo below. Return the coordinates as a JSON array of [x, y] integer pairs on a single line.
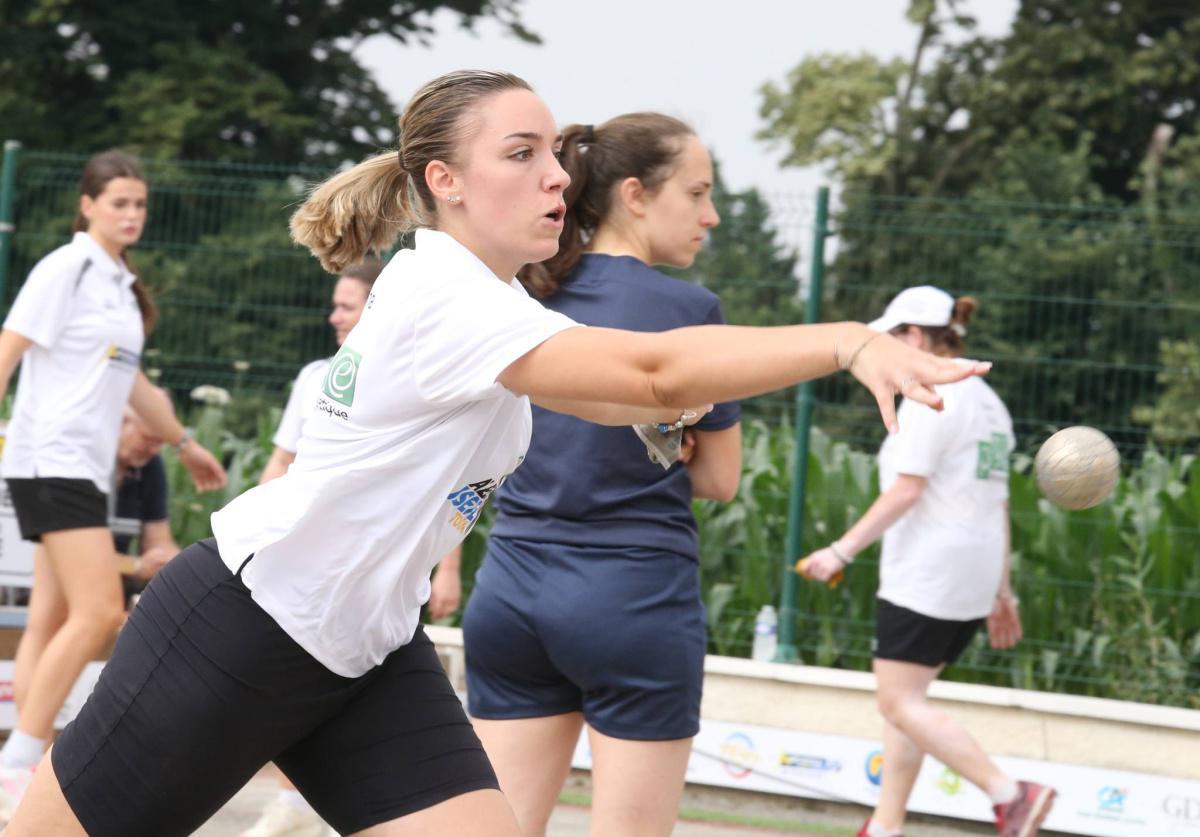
[[1092, 801]]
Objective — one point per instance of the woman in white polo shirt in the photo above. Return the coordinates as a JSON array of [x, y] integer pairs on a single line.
[[944, 571], [288, 814], [77, 328], [294, 635]]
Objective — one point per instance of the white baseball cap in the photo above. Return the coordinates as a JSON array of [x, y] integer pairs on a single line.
[[924, 305]]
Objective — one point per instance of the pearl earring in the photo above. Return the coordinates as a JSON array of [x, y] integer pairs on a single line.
[[454, 198]]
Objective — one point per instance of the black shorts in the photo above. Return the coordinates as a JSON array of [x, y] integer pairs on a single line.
[[52, 504], [910, 637], [204, 688]]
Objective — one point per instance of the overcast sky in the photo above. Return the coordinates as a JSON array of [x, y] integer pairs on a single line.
[[700, 60]]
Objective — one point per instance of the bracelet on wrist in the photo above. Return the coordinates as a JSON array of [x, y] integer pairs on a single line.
[[679, 424], [841, 556], [849, 365], [183, 440]]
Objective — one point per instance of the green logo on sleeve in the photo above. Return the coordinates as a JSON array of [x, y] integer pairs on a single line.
[[993, 456], [342, 375]]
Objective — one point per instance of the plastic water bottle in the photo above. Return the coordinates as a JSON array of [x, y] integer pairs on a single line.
[[766, 626]]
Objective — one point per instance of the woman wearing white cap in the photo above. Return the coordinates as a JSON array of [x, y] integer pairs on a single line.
[[944, 571]]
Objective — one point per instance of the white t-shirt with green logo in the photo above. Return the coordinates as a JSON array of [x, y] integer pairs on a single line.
[[945, 556], [301, 404], [78, 308], [409, 436]]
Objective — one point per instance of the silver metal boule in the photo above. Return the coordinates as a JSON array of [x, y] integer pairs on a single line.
[[1077, 467]]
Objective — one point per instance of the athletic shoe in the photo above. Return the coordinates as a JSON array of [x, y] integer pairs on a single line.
[[13, 782], [865, 831], [281, 819], [1024, 815]]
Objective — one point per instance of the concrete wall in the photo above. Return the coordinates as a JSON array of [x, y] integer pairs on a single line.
[[1007, 722]]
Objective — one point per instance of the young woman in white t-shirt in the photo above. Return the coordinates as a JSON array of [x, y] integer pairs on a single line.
[[293, 636], [288, 813], [77, 328], [944, 570]]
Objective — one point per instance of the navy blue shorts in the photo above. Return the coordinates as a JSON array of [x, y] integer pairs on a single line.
[[617, 634]]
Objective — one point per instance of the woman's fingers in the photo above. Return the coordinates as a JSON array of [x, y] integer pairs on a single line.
[[885, 397], [923, 394]]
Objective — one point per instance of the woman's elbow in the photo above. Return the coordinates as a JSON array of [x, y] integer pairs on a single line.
[[720, 487]]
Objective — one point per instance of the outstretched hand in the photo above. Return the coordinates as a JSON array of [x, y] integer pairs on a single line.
[[888, 367], [1004, 623], [206, 472]]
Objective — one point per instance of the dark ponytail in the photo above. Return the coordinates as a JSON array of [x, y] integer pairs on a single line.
[[640, 145], [100, 169]]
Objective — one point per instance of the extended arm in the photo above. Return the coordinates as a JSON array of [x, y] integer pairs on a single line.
[[205, 470], [1004, 622], [888, 507], [616, 415], [705, 364]]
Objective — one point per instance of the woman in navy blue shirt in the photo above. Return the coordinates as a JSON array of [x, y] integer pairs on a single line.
[[587, 607]]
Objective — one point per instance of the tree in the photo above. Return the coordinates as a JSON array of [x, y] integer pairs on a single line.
[[743, 262], [1114, 71], [255, 82], [1049, 171]]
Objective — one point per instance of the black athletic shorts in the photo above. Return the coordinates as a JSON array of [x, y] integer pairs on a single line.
[[204, 688], [52, 504], [910, 637]]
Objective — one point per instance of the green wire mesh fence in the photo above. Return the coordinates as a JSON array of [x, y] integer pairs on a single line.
[[1086, 311]]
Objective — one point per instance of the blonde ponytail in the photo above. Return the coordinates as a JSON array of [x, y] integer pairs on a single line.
[[355, 212], [365, 208]]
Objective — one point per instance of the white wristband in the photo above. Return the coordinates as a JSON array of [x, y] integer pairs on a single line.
[[838, 554]]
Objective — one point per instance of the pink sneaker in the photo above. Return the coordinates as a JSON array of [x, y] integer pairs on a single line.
[[1024, 815], [13, 782]]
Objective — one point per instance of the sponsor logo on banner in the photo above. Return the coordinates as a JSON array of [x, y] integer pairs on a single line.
[[1112, 799], [949, 782], [1183, 809], [801, 763], [874, 767], [738, 755], [1111, 804]]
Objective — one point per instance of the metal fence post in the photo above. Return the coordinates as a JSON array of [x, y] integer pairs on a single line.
[[786, 651], [8, 190]]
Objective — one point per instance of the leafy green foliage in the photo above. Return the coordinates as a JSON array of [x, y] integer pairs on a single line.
[[1049, 172], [1110, 597], [261, 82], [744, 263], [1175, 418]]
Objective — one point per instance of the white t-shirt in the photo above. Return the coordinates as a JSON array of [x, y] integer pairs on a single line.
[[944, 558], [78, 308], [410, 436], [301, 405]]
